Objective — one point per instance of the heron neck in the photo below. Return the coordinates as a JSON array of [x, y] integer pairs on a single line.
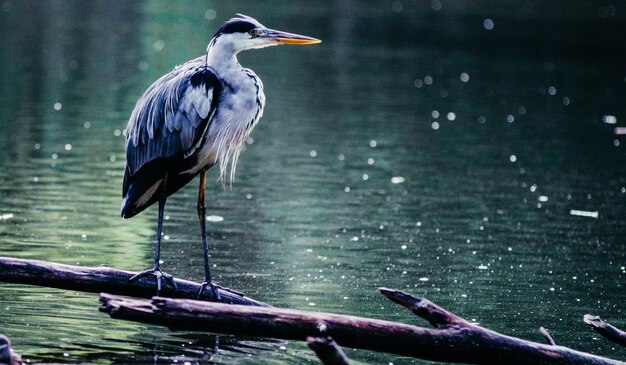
[[222, 58]]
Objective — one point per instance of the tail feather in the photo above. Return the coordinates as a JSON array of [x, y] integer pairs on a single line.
[[139, 191], [143, 188]]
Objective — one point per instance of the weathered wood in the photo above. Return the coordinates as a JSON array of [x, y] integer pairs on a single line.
[[605, 329], [456, 342], [103, 279], [327, 351]]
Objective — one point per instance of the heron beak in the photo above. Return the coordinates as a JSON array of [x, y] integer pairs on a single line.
[[289, 38]]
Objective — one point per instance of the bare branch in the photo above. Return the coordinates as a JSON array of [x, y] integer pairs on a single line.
[[547, 336], [605, 329], [102, 279], [424, 308]]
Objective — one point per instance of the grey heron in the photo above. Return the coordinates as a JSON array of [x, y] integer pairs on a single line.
[[197, 116]]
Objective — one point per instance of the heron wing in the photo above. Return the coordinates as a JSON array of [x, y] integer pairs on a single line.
[[172, 115]]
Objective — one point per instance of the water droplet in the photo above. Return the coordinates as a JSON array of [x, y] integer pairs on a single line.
[[510, 118], [512, 158], [370, 161], [373, 143], [584, 213], [365, 177], [609, 119], [7, 6], [58, 106], [87, 125], [341, 157], [451, 116], [397, 180], [68, 147], [436, 5], [346, 189], [214, 218], [403, 247], [435, 114], [428, 80], [434, 125], [488, 24], [566, 101], [464, 77], [397, 6], [543, 198], [552, 90], [158, 45], [313, 153], [210, 14]]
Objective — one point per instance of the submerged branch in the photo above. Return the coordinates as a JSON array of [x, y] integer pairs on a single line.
[[327, 351], [103, 279]]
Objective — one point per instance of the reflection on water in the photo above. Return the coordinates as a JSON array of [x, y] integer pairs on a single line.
[[419, 147]]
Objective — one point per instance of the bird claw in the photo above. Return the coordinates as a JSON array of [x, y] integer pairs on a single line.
[[214, 288], [159, 275]]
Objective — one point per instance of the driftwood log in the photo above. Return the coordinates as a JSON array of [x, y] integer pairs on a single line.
[[104, 279], [605, 329], [453, 340]]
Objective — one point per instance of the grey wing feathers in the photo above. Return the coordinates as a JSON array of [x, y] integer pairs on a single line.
[[166, 118]]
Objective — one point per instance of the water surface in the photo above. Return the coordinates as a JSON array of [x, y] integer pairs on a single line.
[[414, 148]]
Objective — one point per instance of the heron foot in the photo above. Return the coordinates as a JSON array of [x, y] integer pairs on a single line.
[[214, 289], [159, 275]]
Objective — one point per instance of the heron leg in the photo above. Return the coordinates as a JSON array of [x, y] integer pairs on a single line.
[[208, 282], [205, 244], [156, 270]]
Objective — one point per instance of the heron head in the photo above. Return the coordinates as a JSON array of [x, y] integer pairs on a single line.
[[244, 32]]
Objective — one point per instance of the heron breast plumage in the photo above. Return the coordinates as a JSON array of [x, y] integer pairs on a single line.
[[187, 121]]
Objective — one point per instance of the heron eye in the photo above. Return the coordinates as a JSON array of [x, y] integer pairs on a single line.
[[254, 32]]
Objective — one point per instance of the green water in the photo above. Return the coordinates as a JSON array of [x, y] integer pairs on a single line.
[[413, 149]]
